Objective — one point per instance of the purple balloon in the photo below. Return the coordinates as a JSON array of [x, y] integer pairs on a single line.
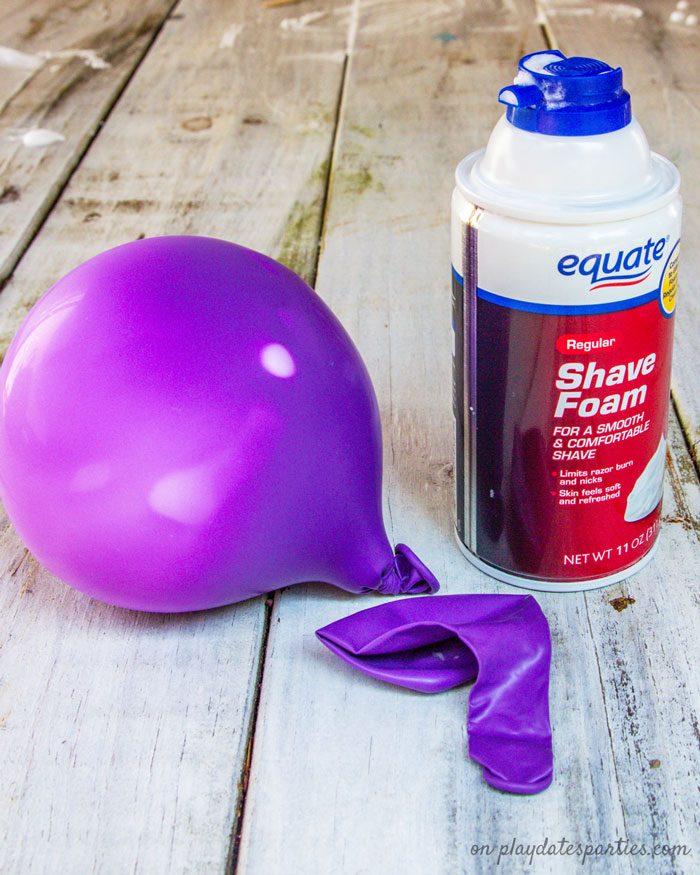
[[185, 424], [500, 641]]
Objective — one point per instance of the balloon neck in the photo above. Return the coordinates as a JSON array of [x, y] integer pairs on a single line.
[[407, 575]]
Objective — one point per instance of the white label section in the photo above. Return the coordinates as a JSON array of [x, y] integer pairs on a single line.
[[572, 265]]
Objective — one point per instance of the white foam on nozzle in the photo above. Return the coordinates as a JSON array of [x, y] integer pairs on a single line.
[[535, 64], [538, 62], [553, 93], [649, 488], [522, 77]]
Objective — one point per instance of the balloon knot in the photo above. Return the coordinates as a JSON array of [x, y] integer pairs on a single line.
[[407, 575]]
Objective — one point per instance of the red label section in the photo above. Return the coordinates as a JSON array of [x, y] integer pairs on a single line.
[[570, 439]]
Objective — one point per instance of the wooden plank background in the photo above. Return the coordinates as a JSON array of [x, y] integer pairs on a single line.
[[325, 134], [125, 736], [376, 778], [75, 60]]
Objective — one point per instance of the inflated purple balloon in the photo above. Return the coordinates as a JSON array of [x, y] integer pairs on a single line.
[[185, 424]]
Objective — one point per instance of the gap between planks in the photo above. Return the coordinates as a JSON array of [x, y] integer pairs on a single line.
[[237, 825], [272, 599]]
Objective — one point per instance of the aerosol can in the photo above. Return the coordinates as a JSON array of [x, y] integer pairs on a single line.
[[565, 243]]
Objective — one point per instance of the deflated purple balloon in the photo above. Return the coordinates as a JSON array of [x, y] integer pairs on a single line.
[[185, 424], [500, 641]]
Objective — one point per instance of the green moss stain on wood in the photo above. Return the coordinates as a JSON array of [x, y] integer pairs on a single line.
[[298, 248]]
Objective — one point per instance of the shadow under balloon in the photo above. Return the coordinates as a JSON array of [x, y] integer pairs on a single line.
[[317, 589], [53, 602], [27, 587]]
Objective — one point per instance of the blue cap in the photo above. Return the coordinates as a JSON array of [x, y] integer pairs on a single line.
[[566, 97]]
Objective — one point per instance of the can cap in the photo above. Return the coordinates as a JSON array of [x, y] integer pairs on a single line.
[[566, 97]]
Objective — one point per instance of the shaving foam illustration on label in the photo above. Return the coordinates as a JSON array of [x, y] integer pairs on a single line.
[[649, 488]]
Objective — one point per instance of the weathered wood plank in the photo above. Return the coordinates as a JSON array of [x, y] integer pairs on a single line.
[[63, 66], [238, 137], [124, 736], [647, 654], [121, 734], [661, 63], [369, 778]]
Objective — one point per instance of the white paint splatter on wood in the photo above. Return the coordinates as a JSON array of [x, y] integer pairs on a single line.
[[37, 137], [614, 11], [88, 56], [21, 60], [229, 36], [334, 57], [303, 21], [56, 94]]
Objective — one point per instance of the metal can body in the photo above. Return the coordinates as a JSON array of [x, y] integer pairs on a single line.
[[561, 380]]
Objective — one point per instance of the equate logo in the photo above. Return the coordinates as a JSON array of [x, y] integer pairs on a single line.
[[623, 268]]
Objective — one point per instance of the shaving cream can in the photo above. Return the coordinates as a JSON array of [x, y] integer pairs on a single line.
[[565, 247]]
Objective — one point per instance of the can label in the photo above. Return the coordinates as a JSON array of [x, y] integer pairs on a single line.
[[562, 375]]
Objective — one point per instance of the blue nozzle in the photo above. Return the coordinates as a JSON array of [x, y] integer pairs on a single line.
[[566, 97]]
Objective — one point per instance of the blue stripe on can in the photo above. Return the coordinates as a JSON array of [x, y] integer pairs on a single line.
[[562, 309]]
